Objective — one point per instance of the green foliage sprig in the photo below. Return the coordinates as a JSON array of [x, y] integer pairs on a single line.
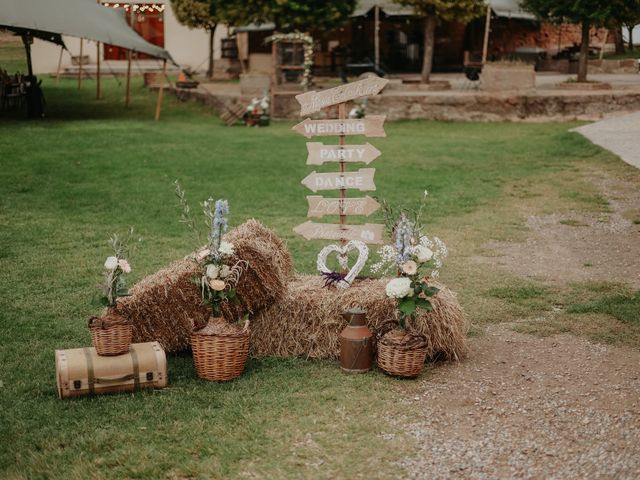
[[116, 265]]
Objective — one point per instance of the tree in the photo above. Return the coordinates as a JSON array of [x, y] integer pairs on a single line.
[[205, 14], [292, 15], [433, 11], [586, 13], [627, 13]]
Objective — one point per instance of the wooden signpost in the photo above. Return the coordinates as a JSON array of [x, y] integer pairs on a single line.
[[370, 126], [361, 180], [311, 102], [320, 206], [319, 154], [367, 233]]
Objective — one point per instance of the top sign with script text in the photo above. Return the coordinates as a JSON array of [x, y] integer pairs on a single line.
[[313, 101]]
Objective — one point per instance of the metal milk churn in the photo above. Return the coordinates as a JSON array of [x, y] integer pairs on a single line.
[[356, 343]]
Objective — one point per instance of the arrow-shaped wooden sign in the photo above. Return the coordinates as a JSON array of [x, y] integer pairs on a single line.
[[368, 233], [315, 101], [320, 153], [361, 180], [369, 126], [320, 206]]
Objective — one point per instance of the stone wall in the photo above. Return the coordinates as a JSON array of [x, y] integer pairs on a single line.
[[498, 77], [495, 107], [470, 106], [629, 65]]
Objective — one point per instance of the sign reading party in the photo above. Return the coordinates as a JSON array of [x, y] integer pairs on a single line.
[[320, 153]]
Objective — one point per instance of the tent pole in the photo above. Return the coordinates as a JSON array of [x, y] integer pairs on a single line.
[[98, 86], [26, 39], [161, 90], [80, 67], [98, 89], [59, 66], [487, 28], [376, 38], [127, 100]]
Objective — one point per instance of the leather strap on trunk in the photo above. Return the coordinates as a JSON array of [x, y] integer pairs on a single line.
[[136, 367], [90, 372]]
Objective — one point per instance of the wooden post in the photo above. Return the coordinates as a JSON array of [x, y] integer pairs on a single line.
[[80, 66], [376, 39], [161, 90], [604, 43], [127, 98], [343, 191], [59, 66], [98, 86], [487, 29]]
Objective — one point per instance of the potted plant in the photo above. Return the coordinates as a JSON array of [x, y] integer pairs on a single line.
[[220, 348], [416, 259], [257, 112], [111, 333]]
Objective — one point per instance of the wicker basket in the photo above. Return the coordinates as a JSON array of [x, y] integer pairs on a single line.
[[402, 359], [220, 350], [111, 334]]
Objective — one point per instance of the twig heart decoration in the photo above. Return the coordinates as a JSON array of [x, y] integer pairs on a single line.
[[363, 254]]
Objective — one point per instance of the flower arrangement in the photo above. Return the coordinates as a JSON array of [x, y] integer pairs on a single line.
[[358, 110], [257, 112], [307, 63], [414, 256], [116, 266], [218, 278]]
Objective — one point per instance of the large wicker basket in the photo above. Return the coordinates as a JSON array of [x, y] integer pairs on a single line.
[[110, 334], [220, 350], [401, 354]]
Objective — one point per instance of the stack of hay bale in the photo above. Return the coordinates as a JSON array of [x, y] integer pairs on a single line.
[[291, 315]]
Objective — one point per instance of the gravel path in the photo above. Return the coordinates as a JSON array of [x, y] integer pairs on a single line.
[[620, 134], [592, 247], [528, 407]]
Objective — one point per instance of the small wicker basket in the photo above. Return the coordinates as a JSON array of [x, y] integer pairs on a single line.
[[111, 334], [402, 359], [220, 350]]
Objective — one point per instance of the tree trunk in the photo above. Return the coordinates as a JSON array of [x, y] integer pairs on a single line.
[[583, 59], [630, 37], [429, 40], [212, 34], [617, 35]]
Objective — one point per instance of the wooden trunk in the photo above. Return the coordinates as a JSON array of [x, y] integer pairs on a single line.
[[81, 371]]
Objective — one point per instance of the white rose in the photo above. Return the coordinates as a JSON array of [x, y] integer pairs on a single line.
[[224, 271], [111, 263], [410, 267], [399, 287], [226, 248], [422, 253], [212, 271]]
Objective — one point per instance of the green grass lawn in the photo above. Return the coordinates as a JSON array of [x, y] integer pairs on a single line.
[[91, 168]]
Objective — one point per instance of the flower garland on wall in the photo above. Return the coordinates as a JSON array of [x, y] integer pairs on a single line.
[[307, 41]]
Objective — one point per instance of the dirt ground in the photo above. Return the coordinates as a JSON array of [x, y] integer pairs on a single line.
[[524, 406], [529, 407], [581, 246]]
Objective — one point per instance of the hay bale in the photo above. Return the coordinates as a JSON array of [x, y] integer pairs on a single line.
[[164, 306], [307, 321]]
